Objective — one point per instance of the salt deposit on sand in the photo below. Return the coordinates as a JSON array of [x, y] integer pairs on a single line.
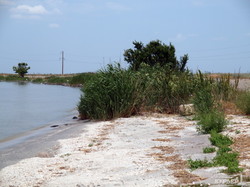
[[137, 151]]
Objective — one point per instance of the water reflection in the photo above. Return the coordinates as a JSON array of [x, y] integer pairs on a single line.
[[25, 105], [22, 83]]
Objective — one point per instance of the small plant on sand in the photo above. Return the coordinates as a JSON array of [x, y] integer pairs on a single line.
[[209, 150], [224, 156], [195, 164], [237, 132], [220, 140]]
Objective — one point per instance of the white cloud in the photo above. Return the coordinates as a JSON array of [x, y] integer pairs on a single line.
[[117, 6], [32, 12], [54, 25], [26, 9]]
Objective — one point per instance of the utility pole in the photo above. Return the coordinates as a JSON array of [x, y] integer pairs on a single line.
[[62, 62]]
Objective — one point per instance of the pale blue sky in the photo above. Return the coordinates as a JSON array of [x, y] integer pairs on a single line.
[[214, 33]]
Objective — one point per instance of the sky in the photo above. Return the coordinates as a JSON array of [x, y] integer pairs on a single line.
[[93, 33]]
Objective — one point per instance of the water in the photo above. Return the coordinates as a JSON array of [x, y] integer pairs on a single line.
[[28, 106]]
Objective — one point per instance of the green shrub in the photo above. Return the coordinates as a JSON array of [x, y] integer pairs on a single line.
[[164, 88], [212, 120], [112, 92], [209, 150], [115, 92], [243, 102]]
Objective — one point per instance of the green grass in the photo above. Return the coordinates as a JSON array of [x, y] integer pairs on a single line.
[[38, 80], [209, 150], [243, 102], [57, 80], [15, 78]]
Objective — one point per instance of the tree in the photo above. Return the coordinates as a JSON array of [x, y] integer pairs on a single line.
[[155, 52], [21, 69]]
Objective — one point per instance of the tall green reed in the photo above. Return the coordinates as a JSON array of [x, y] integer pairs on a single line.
[[115, 92], [112, 92]]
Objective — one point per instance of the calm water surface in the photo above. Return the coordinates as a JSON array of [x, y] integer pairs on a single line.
[[27, 106]]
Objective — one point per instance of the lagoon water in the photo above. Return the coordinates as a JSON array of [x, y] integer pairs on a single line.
[[27, 106]]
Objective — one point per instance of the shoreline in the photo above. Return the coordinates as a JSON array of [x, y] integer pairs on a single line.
[[147, 150], [41, 141]]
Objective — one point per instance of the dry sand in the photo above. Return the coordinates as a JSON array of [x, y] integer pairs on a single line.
[[138, 151]]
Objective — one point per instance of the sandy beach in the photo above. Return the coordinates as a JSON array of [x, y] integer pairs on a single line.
[[148, 150]]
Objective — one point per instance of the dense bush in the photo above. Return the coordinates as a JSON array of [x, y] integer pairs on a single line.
[[115, 92], [154, 53], [112, 92], [165, 89], [243, 102]]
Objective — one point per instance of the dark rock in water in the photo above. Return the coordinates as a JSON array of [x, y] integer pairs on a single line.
[[54, 126], [74, 117], [66, 124]]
